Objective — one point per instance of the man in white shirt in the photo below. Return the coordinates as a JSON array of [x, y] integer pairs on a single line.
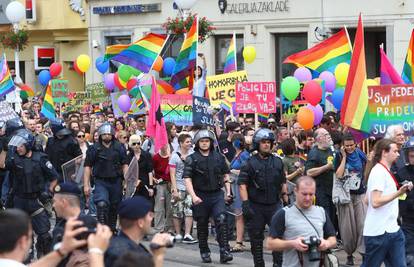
[[384, 240]]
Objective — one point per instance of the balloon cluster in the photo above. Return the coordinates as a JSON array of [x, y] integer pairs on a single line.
[[46, 75]]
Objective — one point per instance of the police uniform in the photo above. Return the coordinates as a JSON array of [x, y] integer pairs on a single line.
[[29, 177], [206, 174], [132, 208], [106, 164], [263, 178], [62, 147], [406, 205]]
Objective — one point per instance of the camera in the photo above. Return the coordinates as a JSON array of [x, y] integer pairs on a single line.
[[313, 243], [169, 244]]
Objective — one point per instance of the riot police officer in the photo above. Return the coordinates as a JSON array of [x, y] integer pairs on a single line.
[[205, 173], [260, 182], [62, 147], [107, 162], [406, 203], [29, 170]]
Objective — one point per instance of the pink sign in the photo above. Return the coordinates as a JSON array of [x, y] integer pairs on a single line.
[[256, 97]]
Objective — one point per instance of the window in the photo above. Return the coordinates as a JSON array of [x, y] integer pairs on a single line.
[[222, 45], [114, 40], [286, 45], [173, 46]]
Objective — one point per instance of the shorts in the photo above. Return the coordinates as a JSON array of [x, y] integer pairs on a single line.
[[182, 207]]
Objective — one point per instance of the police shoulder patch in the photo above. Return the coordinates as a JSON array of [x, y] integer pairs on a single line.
[[49, 165]]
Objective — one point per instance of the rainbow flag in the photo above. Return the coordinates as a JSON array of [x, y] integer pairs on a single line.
[[263, 117], [48, 107], [388, 73], [26, 91], [408, 71], [355, 103], [164, 87], [326, 55], [231, 60], [114, 50], [186, 60], [140, 55], [140, 103], [6, 81]]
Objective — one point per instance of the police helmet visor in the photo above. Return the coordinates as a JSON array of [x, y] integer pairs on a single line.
[[17, 141], [105, 129]]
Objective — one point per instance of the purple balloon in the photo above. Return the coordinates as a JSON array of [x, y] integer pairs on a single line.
[[317, 112], [124, 103], [303, 74], [109, 81], [330, 80]]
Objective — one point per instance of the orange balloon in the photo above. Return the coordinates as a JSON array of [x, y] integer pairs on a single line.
[[183, 91], [158, 64], [305, 117]]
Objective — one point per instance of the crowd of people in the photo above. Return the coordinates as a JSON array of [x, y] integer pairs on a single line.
[[315, 190]]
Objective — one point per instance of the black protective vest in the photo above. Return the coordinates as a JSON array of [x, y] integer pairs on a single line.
[[107, 161], [28, 174], [265, 179], [407, 206], [207, 171], [57, 150]]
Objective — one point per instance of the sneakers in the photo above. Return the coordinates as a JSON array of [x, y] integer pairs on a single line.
[[178, 238], [188, 239]]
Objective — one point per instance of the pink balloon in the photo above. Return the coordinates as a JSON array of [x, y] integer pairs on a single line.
[[330, 80], [124, 103], [312, 92], [109, 81], [303, 74], [317, 112]]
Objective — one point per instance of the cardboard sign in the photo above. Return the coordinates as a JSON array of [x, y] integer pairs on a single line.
[[7, 112], [202, 112], [222, 87], [97, 93], [256, 97], [60, 89], [177, 109], [137, 106], [389, 105]]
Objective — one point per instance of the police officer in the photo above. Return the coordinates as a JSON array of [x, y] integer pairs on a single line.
[[29, 170], [106, 160], [260, 182], [62, 147], [406, 203], [205, 173]]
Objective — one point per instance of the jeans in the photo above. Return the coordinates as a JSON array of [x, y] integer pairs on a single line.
[[388, 248]]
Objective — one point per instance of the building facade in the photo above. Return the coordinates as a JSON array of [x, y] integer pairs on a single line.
[[276, 28]]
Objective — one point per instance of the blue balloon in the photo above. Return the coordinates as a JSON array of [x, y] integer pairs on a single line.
[[168, 67], [338, 97], [44, 77], [101, 64]]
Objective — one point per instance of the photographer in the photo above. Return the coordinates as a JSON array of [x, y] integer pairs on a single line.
[[302, 230], [135, 219]]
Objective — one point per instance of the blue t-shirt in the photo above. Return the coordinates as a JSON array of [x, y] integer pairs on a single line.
[[238, 161]]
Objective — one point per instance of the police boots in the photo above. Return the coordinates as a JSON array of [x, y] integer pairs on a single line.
[[257, 251], [225, 255], [202, 235]]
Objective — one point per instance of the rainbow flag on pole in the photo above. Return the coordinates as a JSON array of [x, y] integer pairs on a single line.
[[388, 73], [140, 55], [231, 59], [355, 103], [26, 91], [6, 81], [326, 55], [186, 60], [408, 70], [48, 107]]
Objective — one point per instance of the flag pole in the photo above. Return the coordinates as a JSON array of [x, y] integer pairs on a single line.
[[163, 45], [235, 50]]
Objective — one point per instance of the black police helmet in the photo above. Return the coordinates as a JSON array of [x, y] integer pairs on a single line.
[[23, 137], [201, 134], [13, 125], [409, 145], [262, 134], [58, 127]]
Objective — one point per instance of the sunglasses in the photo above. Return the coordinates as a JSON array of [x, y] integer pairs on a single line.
[[81, 136], [140, 120], [135, 144]]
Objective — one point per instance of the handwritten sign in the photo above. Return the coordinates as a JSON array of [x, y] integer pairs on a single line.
[[177, 109], [7, 112], [97, 92], [60, 89], [202, 112], [256, 97], [388, 105], [222, 87]]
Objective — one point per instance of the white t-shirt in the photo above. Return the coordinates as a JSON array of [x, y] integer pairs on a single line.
[[10, 263], [382, 219]]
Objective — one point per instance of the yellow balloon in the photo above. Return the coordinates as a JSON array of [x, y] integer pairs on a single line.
[[341, 73], [249, 54], [83, 62]]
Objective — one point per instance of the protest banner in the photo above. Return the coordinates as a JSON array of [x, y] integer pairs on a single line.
[[256, 97], [222, 87], [7, 112], [389, 105], [202, 111], [97, 92], [137, 106], [60, 89], [177, 109]]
